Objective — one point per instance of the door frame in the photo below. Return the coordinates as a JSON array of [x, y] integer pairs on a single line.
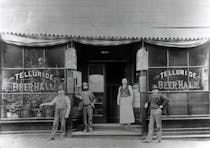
[[103, 62]]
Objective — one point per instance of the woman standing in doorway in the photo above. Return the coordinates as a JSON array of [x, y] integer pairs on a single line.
[[125, 101]]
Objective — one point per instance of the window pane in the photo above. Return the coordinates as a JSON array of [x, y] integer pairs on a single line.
[[178, 104], [12, 56], [177, 57], [34, 57], [178, 79], [157, 77], [199, 103], [55, 56], [57, 80], [31, 107], [34, 80], [198, 78], [12, 106], [157, 56], [40, 80], [12, 81], [198, 56]]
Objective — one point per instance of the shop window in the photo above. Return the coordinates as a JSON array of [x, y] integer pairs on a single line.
[[157, 56], [177, 57], [55, 56], [55, 79], [15, 106], [177, 79], [199, 103], [198, 56], [34, 58], [158, 76], [12, 56], [12, 105], [31, 107], [198, 78], [12, 81], [178, 104]]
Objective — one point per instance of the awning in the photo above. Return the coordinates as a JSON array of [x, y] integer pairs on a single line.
[[159, 19]]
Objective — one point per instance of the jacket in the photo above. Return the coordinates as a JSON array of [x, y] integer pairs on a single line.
[[160, 100]]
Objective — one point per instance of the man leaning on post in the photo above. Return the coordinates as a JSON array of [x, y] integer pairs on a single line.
[[62, 110], [155, 103]]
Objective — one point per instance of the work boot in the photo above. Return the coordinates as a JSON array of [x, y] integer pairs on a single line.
[[85, 130], [51, 138], [146, 141], [91, 130]]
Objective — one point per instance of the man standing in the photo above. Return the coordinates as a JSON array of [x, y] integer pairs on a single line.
[[156, 102], [62, 110], [87, 104]]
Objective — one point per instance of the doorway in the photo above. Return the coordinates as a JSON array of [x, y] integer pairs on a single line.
[[103, 67], [114, 74], [104, 80]]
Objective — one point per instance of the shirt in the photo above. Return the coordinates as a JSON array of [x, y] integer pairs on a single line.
[[61, 102], [87, 97]]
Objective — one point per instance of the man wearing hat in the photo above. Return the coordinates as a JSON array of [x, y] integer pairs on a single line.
[[62, 110], [155, 103], [87, 105]]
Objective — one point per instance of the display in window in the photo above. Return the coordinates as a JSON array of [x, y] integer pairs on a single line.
[[199, 56], [12, 106], [34, 58], [55, 56], [32, 109], [198, 79]]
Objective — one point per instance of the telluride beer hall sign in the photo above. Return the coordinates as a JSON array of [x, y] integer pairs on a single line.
[[31, 81], [182, 79]]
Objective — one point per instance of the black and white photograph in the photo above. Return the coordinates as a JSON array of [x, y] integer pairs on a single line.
[[104, 74]]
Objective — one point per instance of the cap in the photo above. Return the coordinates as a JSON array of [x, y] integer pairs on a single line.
[[84, 83], [154, 87]]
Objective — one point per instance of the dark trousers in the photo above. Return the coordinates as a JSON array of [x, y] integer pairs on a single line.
[[59, 116], [155, 117], [87, 116]]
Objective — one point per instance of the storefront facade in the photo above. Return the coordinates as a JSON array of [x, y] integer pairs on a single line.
[[32, 75], [50, 44]]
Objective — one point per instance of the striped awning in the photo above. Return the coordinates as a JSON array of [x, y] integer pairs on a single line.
[[150, 19]]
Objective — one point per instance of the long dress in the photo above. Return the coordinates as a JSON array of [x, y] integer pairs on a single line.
[[126, 107]]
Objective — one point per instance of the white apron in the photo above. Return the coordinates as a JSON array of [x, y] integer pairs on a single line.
[[126, 110]]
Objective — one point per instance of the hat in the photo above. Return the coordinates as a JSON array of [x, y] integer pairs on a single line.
[[84, 83], [154, 87]]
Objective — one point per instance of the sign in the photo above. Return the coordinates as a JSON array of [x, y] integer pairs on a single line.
[[71, 58], [31, 81], [182, 79], [142, 59]]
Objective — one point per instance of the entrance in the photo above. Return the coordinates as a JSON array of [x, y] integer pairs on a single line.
[[104, 80], [114, 74], [103, 67]]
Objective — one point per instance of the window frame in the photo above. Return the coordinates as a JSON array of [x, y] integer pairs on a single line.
[[168, 92]]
